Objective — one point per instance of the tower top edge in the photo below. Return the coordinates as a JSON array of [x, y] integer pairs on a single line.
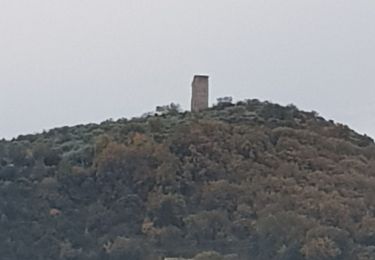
[[201, 76]]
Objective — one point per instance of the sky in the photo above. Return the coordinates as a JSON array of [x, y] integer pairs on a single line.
[[79, 61]]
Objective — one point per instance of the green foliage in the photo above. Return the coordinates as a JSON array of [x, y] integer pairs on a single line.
[[252, 180]]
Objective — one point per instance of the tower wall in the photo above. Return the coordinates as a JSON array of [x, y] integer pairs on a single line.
[[200, 93]]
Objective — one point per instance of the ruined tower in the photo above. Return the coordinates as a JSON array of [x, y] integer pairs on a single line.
[[199, 99]]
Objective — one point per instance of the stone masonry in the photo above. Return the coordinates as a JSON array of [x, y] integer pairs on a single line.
[[199, 99]]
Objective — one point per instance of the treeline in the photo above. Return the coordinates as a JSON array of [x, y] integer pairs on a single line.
[[251, 180]]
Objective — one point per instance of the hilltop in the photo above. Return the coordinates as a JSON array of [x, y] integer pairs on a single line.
[[252, 180]]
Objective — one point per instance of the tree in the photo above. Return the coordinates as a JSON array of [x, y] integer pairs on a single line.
[[207, 225], [171, 109], [322, 248]]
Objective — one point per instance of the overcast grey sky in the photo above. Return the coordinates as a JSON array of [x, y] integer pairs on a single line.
[[78, 61]]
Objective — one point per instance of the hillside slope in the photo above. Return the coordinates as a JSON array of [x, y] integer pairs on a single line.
[[255, 180]]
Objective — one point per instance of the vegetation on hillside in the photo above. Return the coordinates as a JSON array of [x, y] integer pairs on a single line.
[[251, 180]]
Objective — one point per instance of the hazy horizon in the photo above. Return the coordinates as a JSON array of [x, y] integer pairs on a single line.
[[73, 62]]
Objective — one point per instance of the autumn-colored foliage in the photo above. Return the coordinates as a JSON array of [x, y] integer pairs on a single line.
[[252, 180]]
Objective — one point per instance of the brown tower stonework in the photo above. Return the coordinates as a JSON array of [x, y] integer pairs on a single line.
[[199, 99]]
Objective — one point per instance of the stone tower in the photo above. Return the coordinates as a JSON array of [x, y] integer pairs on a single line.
[[199, 99]]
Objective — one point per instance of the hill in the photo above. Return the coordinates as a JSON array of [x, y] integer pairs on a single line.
[[252, 180]]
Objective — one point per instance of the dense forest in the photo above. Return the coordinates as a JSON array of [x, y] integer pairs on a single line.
[[252, 180]]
